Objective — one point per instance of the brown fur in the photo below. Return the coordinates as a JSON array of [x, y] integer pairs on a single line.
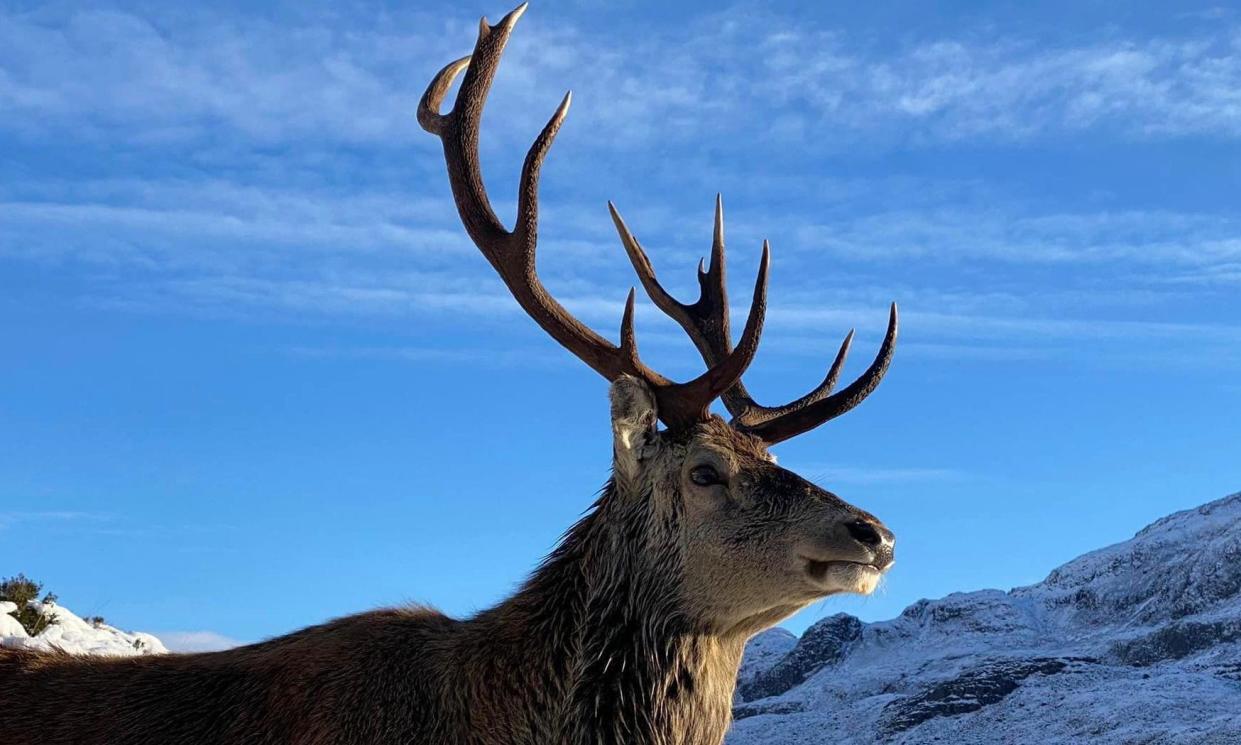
[[630, 632]]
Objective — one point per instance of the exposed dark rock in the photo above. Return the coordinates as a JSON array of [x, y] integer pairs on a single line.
[[1176, 641], [825, 643], [970, 691], [766, 707]]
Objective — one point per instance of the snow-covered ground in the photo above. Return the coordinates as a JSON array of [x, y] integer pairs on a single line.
[[1139, 642], [70, 633]]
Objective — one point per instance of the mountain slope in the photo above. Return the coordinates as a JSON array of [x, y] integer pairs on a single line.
[[1139, 642]]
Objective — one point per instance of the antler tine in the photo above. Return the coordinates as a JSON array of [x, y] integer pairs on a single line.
[[725, 375], [719, 377], [512, 253], [781, 423], [706, 323], [459, 129], [703, 321], [706, 320]]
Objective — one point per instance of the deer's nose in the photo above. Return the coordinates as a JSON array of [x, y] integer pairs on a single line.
[[868, 533]]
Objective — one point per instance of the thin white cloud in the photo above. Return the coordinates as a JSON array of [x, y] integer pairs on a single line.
[[177, 222], [1010, 88], [224, 225], [8, 519], [280, 280], [187, 268], [542, 357], [872, 475], [1004, 327], [169, 79], [1012, 234], [196, 641], [308, 249]]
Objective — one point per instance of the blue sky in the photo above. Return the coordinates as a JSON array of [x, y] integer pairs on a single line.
[[255, 376]]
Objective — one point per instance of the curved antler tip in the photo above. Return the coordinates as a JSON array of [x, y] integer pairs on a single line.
[[506, 23], [429, 115], [760, 282], [510, 20], [557, 118]]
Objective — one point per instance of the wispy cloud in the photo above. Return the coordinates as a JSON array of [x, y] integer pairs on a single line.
[[196, 641], [1011, 89], [9, 519], [278, 231], [324, 76], [103, 524], [1012, 234], [111, 69], [489, 356], [151, 220], [219, 215], [871, 475]]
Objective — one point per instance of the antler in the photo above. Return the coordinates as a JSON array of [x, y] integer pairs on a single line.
[[706, 323], [511, 253]]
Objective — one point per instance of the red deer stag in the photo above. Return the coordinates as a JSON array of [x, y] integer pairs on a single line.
[[631, 631]]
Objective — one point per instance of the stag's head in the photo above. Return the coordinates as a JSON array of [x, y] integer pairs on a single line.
[[745, 541]]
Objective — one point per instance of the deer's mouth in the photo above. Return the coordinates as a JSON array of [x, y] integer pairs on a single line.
[[844, 576]]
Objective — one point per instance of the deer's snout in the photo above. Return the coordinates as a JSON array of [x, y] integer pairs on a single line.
[[875, 537]]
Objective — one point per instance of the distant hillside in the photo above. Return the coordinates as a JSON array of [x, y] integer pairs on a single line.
[[1139, 642]]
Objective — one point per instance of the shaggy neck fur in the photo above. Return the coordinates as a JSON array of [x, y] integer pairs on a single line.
[[613, 657]]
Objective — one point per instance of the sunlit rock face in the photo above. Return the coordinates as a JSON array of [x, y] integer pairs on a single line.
[[1136, 642]]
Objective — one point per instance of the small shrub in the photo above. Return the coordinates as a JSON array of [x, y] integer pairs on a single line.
[[23, 591]]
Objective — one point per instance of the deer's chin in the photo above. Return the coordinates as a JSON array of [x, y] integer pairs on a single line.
[[832, 577]]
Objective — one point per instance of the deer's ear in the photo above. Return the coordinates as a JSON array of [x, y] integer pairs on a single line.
[[634, 419]]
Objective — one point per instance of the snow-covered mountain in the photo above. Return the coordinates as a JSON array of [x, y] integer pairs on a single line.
[[1139, 642]]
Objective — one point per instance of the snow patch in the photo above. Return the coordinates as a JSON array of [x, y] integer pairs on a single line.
[[70, 633]]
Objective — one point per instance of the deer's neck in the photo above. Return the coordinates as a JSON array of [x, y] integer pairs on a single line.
[[608, 656]]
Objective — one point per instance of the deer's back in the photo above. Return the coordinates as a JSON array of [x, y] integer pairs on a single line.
[[372, 678]]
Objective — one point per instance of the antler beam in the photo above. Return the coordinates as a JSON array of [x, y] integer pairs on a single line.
[[512, 253]]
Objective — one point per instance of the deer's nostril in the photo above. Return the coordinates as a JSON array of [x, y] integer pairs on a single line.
[[863, 531]]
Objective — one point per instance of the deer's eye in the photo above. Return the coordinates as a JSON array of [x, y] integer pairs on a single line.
[[705, 476]]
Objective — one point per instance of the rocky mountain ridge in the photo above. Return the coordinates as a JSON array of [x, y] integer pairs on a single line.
[[1139, 642]]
